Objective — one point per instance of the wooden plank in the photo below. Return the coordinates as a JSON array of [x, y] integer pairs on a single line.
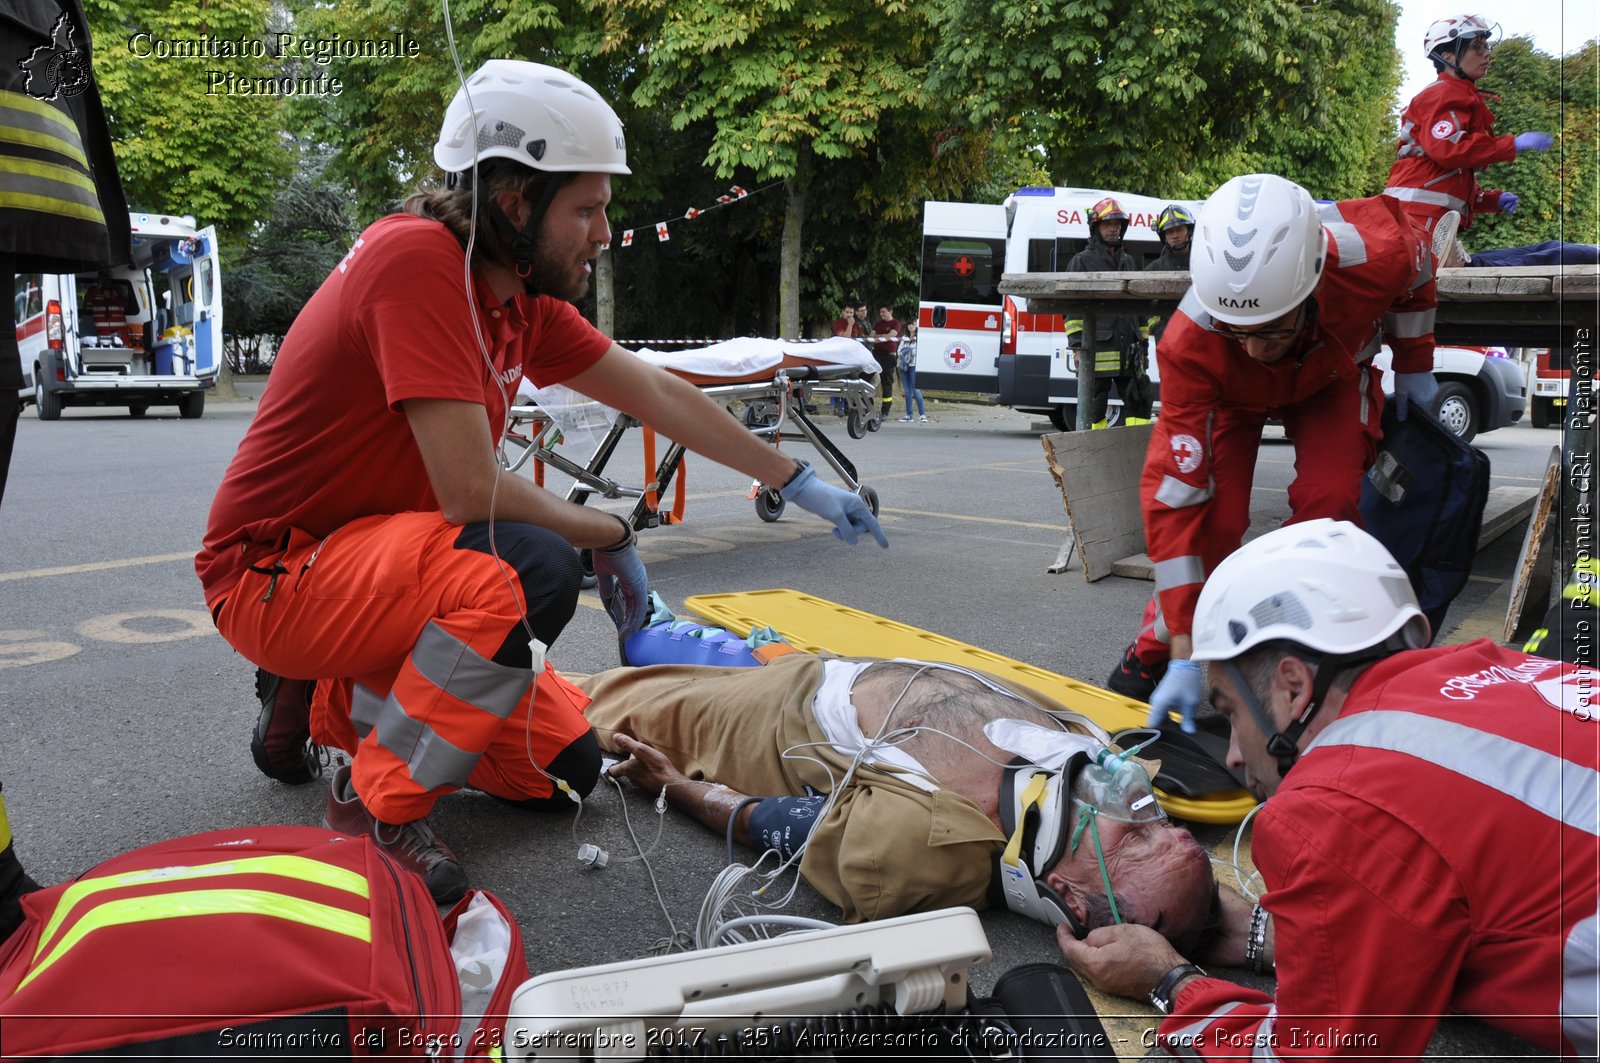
[[1098, 475], [1530, 574], [1138, 566]]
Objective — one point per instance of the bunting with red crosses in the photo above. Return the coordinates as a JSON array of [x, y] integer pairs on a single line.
[[664, 233]]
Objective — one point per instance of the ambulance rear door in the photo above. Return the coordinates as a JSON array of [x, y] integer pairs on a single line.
[[959, 317], [207, 298]]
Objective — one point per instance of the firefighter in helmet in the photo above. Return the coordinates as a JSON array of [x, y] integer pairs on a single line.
[[1117, 345]]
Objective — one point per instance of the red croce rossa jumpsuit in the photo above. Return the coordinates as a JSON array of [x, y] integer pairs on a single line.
[[1377, 286]]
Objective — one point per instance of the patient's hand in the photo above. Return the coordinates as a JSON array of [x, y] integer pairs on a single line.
[[646, 767]]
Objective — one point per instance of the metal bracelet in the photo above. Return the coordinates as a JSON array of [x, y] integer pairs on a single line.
[[1255, 945]]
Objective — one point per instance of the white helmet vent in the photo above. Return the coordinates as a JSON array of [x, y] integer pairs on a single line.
[[1240, 239], [1249, 193], [1237, 264], [1285, 608]]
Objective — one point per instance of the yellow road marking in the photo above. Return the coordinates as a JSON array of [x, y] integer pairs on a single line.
[[95, 566]]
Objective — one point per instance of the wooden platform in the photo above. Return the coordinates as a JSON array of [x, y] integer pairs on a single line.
[[1514, 305]]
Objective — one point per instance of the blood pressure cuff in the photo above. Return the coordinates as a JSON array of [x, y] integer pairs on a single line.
[[784, 823]]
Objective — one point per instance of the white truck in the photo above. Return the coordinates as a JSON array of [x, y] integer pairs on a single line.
[[136, 337], [974, 339]]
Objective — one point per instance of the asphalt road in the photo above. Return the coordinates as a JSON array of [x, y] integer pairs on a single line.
[[125, 717]]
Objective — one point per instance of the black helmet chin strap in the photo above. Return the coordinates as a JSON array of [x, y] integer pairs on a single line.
[[524, 241], [1285, 744]]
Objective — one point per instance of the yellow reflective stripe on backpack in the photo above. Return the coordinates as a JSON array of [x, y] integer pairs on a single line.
[[5, 824], [129, 910], [300, 868]]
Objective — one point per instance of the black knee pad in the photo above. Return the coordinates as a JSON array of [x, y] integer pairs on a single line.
[[548, 569], [579, 766]]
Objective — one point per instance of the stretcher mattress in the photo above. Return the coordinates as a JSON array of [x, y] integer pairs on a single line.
[[818, 625], [749, 357]]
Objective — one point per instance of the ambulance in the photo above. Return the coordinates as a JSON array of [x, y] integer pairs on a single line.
[[135, 336], [971, 337]]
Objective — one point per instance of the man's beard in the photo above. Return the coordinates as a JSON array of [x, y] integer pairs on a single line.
[[554, 277]]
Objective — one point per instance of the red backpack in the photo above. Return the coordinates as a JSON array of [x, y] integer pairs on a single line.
[[292, 940]]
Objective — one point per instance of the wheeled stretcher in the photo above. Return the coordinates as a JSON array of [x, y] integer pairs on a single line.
[[775, 381]]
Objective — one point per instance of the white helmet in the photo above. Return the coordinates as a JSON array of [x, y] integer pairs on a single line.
[[1258, 252], [1457, 28], [540, 116], [1324, 584]]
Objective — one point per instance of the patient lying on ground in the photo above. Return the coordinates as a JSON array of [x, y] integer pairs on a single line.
[[922, 819]]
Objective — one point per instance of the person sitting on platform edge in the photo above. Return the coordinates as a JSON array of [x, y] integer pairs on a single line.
[[933, 770], [366, 544], [1429, 839], [1447, 136]]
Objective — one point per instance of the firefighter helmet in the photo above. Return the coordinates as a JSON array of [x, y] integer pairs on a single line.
[[534, 114], [1108, 209], [1173, 216], [1259, 248]]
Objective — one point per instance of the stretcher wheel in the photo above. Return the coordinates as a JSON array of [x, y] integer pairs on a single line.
[[854, 425], [586, 563], [870, 497], [874, 422], [769, 504]]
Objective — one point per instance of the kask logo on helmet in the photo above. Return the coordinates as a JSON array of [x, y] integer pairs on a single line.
[[1239, 304]]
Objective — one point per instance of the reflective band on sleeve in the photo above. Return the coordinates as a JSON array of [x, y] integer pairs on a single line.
[[1566, 792], [5, 824], [1423, 195], [1179, 572], [25, 120], [1346, 238], [1184, 1038], [1580, 973], [48, 188], [299, 868], [1409, 325], [1177, 494], [130, 910]]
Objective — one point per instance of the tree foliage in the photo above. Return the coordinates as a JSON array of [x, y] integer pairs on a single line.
[[272, 273], [184, 143], [1170, 97], [1559, 190]]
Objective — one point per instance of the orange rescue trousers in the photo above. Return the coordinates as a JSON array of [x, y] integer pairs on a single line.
[[414, 631]]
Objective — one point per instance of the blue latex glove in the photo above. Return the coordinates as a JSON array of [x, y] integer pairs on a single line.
[[845, 509], [1179, 689], [623, 586], [1420, 388], [1532, 141], [1508, 202]]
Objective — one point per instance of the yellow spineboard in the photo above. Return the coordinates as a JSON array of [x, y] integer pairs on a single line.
[[817, 625]]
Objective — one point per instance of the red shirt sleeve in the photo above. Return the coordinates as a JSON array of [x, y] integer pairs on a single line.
[[1454, 128]]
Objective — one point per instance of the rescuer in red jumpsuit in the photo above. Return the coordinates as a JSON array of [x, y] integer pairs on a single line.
[[1289, 304]]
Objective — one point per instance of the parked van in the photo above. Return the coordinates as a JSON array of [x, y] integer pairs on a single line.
[[140, 336], [973, 338]]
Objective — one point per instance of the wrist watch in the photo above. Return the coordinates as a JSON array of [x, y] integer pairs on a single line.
[[1161, 996]]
